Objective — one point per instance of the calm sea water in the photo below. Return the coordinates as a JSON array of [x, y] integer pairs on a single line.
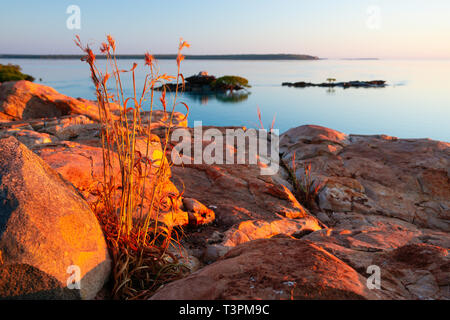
[[416, 104]]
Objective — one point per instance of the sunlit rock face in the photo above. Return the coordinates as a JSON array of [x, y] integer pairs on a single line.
[[406, 179], [271, 269], [28, 100], [65, 132], [247, 204], [379, 194], [46, 230]]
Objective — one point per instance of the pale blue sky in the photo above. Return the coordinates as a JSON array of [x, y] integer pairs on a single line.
[[326, 28]]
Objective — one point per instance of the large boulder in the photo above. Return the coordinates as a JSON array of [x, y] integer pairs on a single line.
[[27, 100], [271, 269], [46, 228]]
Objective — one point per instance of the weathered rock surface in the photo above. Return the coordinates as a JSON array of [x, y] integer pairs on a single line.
[[67, 136], [272, 269], [423, 270], [247, 204], [29, 138], [380, 194], [42, 131], [28, 100], [407, 179], [68, 139], [45, 227], [81, 163]]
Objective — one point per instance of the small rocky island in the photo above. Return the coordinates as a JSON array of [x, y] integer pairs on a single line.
[[205, 83], [331, 83]]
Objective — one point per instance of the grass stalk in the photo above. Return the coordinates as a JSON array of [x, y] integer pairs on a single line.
[[139, 247]]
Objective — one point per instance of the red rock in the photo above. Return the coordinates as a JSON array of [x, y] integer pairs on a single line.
[[45, 227], [30, 138], [247, 205], [28, 100], [403, 178], [198, 212], [271, 269], [65, 133], [380, 194], [423, 269], [82, 165]]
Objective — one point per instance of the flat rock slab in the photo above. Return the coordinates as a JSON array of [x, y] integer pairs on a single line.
[[247, 204], [271, 269]]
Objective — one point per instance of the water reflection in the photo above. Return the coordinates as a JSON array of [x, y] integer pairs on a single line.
[[224, 97], [331, 91]]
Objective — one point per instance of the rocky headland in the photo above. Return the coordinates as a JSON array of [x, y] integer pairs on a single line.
[[382, 201]]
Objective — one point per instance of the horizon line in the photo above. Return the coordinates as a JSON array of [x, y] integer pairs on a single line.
[[270, 56], [238, 56]]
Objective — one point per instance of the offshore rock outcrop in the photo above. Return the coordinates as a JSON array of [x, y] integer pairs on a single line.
[[204, 83], [345, 84]]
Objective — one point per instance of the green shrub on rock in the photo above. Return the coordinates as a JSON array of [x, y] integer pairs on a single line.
[[230, 83], [11, 72]]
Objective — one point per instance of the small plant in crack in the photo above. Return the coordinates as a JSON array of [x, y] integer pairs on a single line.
[[307, 188]]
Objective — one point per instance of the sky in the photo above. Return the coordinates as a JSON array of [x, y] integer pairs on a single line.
[[324, 28]]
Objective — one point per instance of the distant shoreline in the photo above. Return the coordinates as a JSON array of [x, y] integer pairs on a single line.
[[169, 56], [363, 59]]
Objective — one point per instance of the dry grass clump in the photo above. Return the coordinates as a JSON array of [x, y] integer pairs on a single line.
[[132, 194], [306, 189]]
